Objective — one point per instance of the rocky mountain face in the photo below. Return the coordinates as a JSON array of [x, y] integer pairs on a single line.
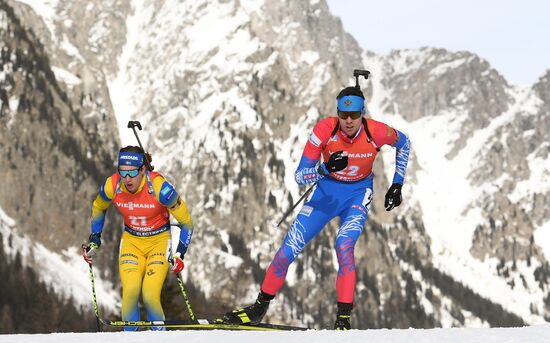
[[51, 156], [73, 39], [52, 168], [432, 81], [226, 113], [492, 163], [538, 147]]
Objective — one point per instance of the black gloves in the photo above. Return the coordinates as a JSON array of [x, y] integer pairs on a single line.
[[393, 197], [88, 251], [337, 161], [94, 240]]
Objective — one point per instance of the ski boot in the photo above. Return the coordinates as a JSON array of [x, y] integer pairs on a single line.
[[343, 316], [252, 314]]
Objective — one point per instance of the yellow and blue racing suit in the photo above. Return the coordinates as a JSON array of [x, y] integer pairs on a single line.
[[146, 239]]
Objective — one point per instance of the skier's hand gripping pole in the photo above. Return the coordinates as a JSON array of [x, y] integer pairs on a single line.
[[176, 263], [393, 197], [88, 251]]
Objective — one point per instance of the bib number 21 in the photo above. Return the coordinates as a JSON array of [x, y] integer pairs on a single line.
[[138, 220]]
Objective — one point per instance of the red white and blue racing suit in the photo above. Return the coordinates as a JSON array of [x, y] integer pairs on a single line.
[[346, 194]]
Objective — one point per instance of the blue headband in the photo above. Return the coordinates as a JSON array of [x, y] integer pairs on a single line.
[[130, 159], [350, 103]]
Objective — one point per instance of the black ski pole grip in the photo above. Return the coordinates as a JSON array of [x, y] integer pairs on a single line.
[[134, 123], [361, 72]]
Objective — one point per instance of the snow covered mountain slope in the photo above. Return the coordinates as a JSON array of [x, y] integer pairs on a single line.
[[48, 176], [472, 159]]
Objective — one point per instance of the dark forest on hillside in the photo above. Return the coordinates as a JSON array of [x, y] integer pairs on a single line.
[[29, 306]]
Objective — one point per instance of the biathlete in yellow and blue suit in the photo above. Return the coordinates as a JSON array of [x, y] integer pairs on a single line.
[[145, 200]]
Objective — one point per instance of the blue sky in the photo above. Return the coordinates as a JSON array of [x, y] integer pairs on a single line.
[[514, 36]]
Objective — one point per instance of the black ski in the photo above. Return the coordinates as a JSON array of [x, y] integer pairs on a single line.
[[203, 324]]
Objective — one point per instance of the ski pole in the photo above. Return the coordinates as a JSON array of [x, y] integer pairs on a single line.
[[276, 226], [132, 124], [186, 298], [96, 308]]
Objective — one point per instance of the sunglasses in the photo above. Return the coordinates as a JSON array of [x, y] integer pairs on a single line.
[[346, 115], [131, 173]]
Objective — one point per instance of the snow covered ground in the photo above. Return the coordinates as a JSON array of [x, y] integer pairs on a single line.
[[532, 334]]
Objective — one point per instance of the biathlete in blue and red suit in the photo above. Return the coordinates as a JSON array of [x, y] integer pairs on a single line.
[[349, 144]]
